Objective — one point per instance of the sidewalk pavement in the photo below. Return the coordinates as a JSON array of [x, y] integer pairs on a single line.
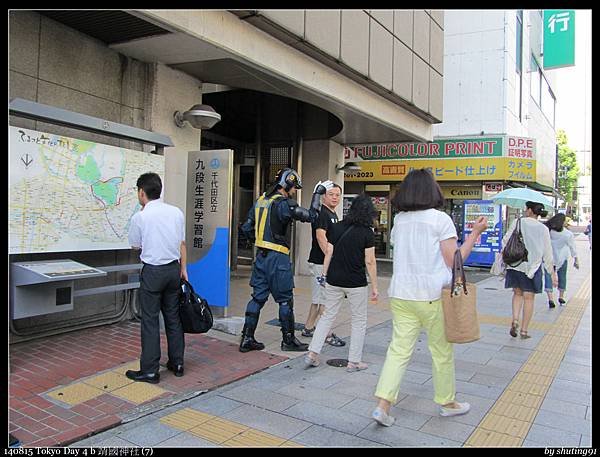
[[534, 392], [67, 387]]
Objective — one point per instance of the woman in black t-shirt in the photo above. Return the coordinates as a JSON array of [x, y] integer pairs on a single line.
[[350, 255]]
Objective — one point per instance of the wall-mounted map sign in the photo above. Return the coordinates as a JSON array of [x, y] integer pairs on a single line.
[[71, 195]]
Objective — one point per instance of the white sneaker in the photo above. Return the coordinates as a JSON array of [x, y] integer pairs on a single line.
[[463, 408], [382, 418]]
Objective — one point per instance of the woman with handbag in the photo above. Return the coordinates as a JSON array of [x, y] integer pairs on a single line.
[[425, 242], [350, 251], [524, 276]]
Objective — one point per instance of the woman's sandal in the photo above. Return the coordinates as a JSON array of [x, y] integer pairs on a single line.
[[513, 329], [352, 367], [524, 335]]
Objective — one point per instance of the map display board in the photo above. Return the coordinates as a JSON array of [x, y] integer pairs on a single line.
[[72, 195]]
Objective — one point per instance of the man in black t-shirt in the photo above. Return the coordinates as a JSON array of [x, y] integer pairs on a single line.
[[326, 219]]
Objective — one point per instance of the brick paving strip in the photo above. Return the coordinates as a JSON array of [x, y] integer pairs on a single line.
[[508, 422], [64, 388]]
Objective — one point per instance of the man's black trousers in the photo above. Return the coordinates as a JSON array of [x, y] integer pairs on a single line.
[[159, 289]]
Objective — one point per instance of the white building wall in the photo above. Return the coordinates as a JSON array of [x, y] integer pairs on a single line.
[[474, 63], [481, 84]]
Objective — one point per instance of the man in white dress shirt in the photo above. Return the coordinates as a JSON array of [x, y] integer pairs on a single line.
[[159, 231]]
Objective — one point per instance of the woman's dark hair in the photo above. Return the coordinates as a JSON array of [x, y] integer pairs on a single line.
[[418, 191], [361, 212], [556, 222], [151, 184], [537, 208]]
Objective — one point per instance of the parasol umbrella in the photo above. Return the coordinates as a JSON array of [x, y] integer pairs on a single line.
[[518, 196]]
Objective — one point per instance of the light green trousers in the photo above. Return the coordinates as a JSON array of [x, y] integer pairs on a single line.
[[409, 317]]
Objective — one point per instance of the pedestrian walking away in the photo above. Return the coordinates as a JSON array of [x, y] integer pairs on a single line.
[[563, 243], [267, 225], [424, 241], [327, 217], [588, 232], [525, 277], [350, 250], [158, 229]]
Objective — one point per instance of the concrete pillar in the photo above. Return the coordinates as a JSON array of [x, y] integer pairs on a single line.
[[319, 159], [172, 90]]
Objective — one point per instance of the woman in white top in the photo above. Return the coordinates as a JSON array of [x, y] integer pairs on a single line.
[[525, 279], [424, 241], [563, 242]]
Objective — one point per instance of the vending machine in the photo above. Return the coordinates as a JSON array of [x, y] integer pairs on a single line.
[[489, 243]]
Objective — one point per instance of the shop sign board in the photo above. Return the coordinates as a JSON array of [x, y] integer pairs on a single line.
[[559, 38], [520, 147], [461, 192], [448, 148], [493, 187], [496, 168]]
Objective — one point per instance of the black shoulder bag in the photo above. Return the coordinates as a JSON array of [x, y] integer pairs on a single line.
[[515, 252], [196, 316]]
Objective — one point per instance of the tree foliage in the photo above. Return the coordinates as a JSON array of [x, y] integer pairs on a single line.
[[568, 169]]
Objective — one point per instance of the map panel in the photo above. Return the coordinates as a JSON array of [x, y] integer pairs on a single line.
[[72, 195]]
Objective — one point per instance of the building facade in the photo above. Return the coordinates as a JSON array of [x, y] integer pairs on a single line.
[[498, 122], [292, 88]]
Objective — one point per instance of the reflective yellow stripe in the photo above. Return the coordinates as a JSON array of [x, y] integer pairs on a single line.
[[261, 213], [273, 247]]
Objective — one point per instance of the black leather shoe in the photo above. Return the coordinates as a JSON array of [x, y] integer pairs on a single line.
[[152, 378], [176, 369]]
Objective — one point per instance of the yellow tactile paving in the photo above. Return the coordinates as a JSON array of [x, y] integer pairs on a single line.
[[75, 394], [221, 431], [291, 444], [506, 425], [138, 392], [520, 398], [508, 422], [532, 378], [108, 381], [526, 388], [218, 430], [254, 438], [186, 419], [520, 412]]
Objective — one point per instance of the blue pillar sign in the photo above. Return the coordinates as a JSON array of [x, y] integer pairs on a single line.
[[208, 223], [484, 250]]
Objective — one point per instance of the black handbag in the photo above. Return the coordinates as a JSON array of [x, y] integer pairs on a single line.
[[196, 316], [515, 252]]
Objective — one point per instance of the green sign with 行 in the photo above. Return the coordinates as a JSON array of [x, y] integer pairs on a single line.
[[559, 38]]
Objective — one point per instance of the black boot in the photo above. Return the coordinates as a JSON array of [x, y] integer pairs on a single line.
[[291, 343], [248, 342]]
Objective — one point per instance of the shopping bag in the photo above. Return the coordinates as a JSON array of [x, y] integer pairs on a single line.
[[459, 303], [498, 267], [196, 316]]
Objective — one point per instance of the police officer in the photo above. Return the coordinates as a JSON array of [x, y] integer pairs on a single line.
[[267, 225]]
